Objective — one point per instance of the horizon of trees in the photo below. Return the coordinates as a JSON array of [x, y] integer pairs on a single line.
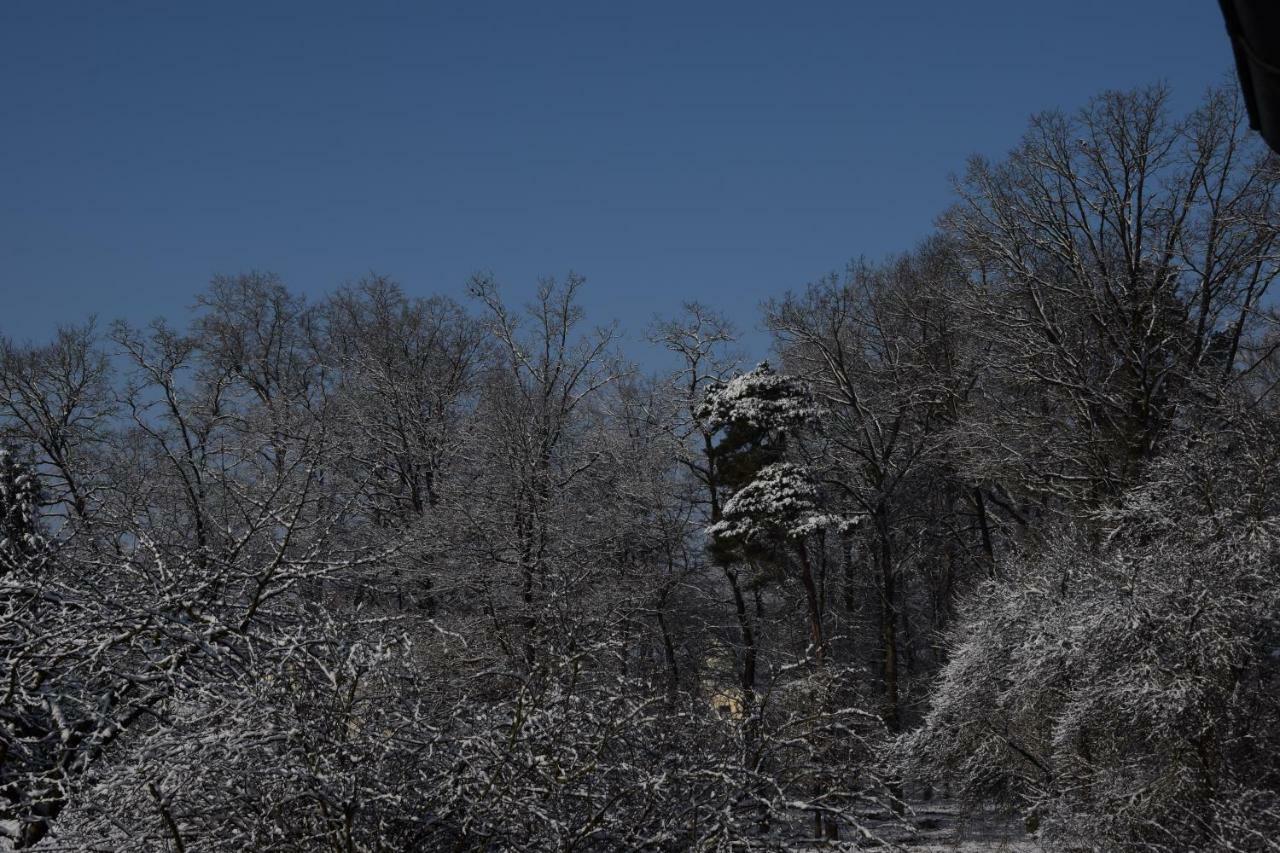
[[1000, 523]]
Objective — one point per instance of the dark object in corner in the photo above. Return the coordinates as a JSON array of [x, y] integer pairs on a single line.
[[1254, 26]]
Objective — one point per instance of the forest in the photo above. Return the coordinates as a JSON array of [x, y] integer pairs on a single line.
[[997, 525]]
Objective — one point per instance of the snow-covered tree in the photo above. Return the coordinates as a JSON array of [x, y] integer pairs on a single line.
[[1121, 686], [773, 505], [20, 535], [1118, 256]]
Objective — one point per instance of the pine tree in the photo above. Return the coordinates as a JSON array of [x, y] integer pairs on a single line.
[[775, 504]]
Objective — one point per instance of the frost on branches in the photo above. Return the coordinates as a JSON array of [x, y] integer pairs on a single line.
[[20, 537], [1122, 687]]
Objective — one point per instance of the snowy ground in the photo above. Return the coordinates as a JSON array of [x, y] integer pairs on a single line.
[[941, 827], [944, 826]]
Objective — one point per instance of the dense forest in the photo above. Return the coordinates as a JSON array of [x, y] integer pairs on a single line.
[[997, 524]]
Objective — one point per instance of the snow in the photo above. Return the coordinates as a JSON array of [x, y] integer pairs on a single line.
[[761, 399]]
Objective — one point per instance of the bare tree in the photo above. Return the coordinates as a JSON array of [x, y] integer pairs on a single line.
[[1119, 258]]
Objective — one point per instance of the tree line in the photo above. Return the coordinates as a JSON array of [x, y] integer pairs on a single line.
[[997, 522]]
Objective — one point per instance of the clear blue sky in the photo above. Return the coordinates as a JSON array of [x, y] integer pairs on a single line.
[[722, 151]]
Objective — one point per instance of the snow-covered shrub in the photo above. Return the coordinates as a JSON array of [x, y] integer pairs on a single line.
[[1122, 685], [347, 743]]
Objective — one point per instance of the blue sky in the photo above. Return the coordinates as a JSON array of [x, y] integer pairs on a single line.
[[719, 151]]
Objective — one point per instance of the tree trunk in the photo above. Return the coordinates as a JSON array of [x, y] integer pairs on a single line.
[[888, 622], [815, 611], [981, 506], [669, 650], [747, 639]]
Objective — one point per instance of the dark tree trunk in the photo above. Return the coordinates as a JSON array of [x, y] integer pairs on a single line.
[[815, 610], [747, 639], [984, 525]]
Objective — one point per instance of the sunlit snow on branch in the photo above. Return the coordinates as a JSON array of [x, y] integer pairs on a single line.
[[761, 399], [781, 501]]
